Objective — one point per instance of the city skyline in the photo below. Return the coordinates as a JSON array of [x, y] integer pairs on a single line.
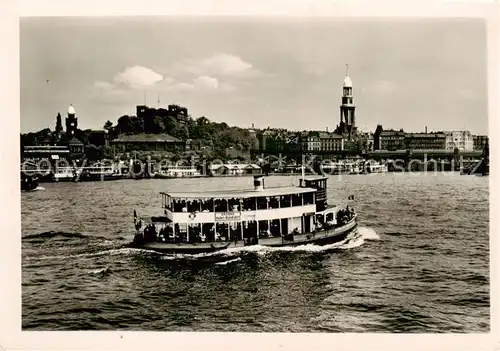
[[407, 74]]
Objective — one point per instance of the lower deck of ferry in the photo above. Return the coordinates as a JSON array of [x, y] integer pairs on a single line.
[[160, 231], [323, 236]]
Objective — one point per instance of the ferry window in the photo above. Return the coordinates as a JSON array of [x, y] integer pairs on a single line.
[[296, 200], [234, 204], [261, 203], [180, 205], [274, 202], [249, 204], [308, 199], [220, 205], [193, 206], [207, 205], [285, 201], [275, 227], [264, 229]]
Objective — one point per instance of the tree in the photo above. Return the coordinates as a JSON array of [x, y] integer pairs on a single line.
[[108, 125], [93, 153]]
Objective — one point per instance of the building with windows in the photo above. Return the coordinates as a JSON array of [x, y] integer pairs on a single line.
[[461, 140], [148, 142], [370, 142], [479, 142], [391, 140], [311, 142], [425, 141], [322, 142]]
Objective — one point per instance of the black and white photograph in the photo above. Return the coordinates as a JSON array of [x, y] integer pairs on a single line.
[[254, 174]]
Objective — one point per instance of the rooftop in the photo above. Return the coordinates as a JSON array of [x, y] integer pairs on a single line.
[[75, 141], [392, 132], [146, 138], [249, 193], [425, 135], [235, 166]]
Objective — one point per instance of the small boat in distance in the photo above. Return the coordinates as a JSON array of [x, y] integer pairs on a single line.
[[29, 183], [197, 222]]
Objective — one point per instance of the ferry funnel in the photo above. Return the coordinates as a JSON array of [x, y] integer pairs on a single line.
[[258, 183]]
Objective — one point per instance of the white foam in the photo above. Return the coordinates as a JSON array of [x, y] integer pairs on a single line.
[[98, 271], [355, 239], [368, 233], [230, 261]]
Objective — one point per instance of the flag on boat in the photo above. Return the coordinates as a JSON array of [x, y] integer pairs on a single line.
[[351, 197], [137, 222]]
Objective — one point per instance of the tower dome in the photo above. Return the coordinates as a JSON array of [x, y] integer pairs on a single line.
[[347, 82], [71, 110]]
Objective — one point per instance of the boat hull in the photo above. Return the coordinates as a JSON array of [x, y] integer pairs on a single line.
[[325, 237], [165, 176]]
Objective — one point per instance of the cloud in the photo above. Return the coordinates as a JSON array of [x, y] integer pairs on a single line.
[[218, 65], [134, 77], [103, 85], [206, 82], [138, 77], [201, 83]]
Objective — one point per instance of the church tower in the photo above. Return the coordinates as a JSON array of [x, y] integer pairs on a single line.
[[71, 121], [347, 125]]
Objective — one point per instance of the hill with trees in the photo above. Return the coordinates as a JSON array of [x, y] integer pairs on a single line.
[[218, 136]]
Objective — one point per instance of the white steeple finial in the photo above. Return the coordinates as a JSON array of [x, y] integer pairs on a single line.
[[71, 110], [347, 80]]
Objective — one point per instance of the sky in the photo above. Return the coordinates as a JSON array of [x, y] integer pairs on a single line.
[[273, 72]]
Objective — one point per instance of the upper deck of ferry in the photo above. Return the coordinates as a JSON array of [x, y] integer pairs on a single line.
[[239, 193], [311, 191]]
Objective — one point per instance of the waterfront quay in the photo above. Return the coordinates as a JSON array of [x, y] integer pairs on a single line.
[[56, 167]]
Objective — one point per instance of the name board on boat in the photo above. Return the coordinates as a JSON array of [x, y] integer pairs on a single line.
[[227, 216], [248, 216]]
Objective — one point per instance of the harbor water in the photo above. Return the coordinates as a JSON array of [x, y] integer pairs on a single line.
[[419, 262]]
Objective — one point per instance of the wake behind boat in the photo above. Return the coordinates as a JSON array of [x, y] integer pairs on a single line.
[[197, 222]]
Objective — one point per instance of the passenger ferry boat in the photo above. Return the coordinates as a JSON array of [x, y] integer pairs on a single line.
[[374, 167], [66, 174], [99, 172], [341, 167], [178, 172], [197, 222]]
